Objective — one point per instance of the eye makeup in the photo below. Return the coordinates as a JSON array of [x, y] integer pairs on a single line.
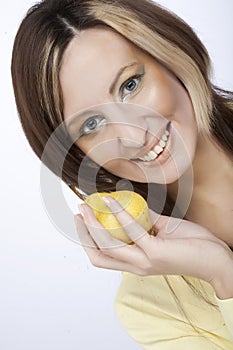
[[131, 86], [92, 125], [84, 124]]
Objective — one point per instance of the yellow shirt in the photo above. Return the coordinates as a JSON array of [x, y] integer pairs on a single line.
[[146, 308]]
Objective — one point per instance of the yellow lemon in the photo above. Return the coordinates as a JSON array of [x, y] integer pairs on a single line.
[[132, 202]]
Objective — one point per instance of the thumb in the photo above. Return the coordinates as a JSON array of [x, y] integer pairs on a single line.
[[166, 224], [159, 221]]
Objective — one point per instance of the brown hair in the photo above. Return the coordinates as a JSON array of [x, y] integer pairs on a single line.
[[44, 35], [42, 38]]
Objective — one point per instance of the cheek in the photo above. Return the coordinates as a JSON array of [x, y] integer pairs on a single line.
[[100, 149]]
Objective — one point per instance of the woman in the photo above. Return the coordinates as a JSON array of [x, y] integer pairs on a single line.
[[71, 56]]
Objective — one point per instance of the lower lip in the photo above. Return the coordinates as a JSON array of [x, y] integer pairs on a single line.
[[162, 157]]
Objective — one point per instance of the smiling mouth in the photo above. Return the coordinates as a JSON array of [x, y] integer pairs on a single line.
[[156, 150]]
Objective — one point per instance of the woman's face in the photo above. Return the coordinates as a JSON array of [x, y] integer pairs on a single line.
[[123, 101]]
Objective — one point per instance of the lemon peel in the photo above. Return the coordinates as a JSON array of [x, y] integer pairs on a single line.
[[132, 202]]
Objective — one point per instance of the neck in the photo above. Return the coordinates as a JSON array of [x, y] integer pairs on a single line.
[[211, 199], [212, 171]]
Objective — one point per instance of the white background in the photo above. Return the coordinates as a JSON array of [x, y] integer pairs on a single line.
[[50, 295]]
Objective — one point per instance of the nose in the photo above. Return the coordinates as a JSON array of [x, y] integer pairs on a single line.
[[129, 125], [131, 136]]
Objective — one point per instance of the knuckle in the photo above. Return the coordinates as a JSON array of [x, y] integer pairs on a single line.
[[149, 269], [146, 270], [96, 260], [95, 263]]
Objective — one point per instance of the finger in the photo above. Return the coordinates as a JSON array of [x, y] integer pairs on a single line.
[[110, 246], [135, 231], [101, 260], [85, 238], [165, 225], [99, 234], [159, 221]]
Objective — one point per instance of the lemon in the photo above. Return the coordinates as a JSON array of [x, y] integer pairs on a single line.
[[132, 202]]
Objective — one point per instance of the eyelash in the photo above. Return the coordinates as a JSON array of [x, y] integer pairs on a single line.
[[101, 122], [135, 77]]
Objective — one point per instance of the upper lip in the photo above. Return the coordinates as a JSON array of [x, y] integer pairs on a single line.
[[149, 147]]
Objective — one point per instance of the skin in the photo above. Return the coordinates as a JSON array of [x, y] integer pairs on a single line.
[[86, 77], [85, 83]]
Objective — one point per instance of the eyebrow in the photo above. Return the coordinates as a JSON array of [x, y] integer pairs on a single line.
[[119, 73], [111, 89]]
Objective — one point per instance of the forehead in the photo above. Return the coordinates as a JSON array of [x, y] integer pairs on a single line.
[[89, 65]]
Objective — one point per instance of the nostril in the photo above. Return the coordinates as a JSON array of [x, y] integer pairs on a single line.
[[129, 148], [130, 143], [131, 138]]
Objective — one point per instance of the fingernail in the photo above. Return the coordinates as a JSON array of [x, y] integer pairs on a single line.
[[112, 204], [77, 218], [81, 210], [106, 200], [86, 212]]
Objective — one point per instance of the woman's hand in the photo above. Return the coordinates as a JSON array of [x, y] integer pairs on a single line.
[[181, 247]]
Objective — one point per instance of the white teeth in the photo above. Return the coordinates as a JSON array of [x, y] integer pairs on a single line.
[[162, 143], [158, 149], [151, 155], [147, 158]]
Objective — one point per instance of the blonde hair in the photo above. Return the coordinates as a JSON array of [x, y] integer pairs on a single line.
[[170, 55], [37, 56]]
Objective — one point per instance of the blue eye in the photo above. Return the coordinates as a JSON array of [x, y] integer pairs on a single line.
[[130, 86], [92, 124]]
